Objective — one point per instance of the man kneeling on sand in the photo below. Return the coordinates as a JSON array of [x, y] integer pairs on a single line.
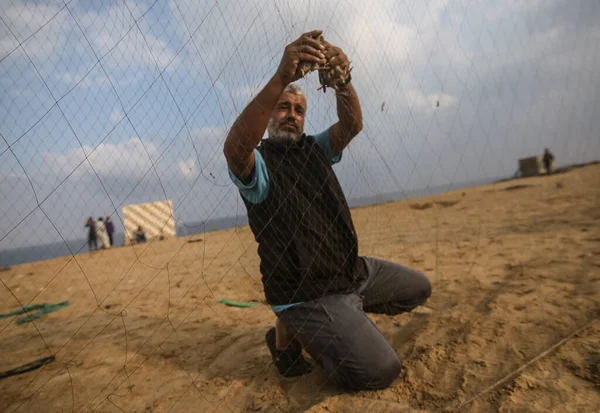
[[316, 283]]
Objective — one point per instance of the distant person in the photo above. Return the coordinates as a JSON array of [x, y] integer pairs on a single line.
[[92, 239], [104, 242], [314, 279], [140, 235], [110, 229], [547, 159]]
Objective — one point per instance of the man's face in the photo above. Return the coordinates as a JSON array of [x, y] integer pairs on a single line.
[[287, 120]]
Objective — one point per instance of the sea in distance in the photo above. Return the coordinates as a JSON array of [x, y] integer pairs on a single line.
[[27, 254]]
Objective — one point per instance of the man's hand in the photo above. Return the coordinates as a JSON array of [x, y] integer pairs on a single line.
[[336, 73], [337, 76], [304, 49], [248, 129], [336, 57]]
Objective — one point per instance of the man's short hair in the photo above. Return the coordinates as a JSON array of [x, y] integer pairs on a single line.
[[294, 89]]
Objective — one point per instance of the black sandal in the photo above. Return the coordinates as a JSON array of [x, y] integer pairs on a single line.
[[289, 362]]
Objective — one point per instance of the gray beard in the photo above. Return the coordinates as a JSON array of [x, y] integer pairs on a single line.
[[282, 135]]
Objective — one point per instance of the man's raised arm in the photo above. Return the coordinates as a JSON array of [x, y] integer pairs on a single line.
[[348, 107], [248, 129]]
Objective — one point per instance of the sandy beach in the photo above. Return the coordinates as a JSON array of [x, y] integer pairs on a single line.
[[515, 268]]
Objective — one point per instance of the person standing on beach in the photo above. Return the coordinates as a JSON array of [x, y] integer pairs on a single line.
[[92, 239], [110, 229], [316, 283], [102, 234], [547, 159]]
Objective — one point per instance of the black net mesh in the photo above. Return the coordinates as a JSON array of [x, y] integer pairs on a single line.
[[122, 108]]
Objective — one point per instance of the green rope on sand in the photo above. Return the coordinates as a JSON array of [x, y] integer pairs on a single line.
[[42, 309], [22, 310], [27, 367], [237, 303]]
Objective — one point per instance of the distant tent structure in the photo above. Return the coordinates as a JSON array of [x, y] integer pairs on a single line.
[[155, 218], [533, 166]]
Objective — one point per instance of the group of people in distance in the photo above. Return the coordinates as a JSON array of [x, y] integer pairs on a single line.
[[100, 233]]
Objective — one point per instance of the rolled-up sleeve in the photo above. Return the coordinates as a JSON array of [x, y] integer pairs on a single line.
[[325, 145], [257, 189]]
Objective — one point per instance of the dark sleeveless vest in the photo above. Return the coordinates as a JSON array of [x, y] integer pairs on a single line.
[[307, 242]]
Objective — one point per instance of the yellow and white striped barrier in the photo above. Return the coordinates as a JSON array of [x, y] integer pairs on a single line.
[[155, 218]]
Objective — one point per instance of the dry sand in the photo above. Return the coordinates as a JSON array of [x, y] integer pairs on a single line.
[[515, 268]]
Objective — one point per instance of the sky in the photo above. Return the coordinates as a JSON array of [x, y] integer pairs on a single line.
[[109, 103]]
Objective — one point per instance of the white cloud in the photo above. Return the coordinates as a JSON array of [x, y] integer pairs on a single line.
[[208, 146], [188, 168], [135, 49], [507, 8], [115, 116], [389, 45], [139, 46], [418, 100], [83, 80], [112, 32], [131, 159], [243, 93], [25, 19], [7, 43], [13, 175]]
